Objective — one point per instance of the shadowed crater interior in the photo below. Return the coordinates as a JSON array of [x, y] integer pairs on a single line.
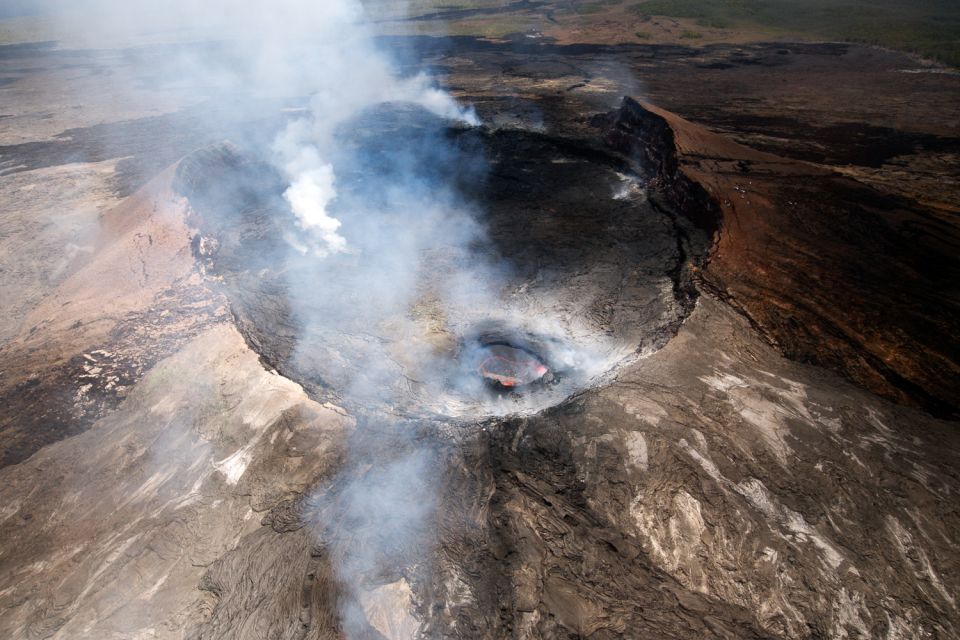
[[488, 271]]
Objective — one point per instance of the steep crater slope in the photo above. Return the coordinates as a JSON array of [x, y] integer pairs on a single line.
[[829, 270], [561, 247]]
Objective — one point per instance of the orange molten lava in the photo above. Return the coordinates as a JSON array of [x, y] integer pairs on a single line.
[[511, 367]]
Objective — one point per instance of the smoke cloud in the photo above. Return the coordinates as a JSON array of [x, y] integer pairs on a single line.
[[303, 148], [386, 266], [365, 226]]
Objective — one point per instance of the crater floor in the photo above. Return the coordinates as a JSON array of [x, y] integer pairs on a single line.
[[569, 253]]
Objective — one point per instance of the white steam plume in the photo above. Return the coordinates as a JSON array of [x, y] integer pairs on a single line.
[[365, 262], [348, 84], [351, 277], [281, 48]]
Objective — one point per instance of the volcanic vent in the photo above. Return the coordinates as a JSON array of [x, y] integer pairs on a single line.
[[507, 367], [510, 363], [543, 263]]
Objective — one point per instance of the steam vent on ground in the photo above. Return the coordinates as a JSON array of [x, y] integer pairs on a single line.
[[505, 320]]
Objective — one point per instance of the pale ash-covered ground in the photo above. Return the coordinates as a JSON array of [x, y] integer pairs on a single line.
[[733, 480], [713, 489], [748, 479]]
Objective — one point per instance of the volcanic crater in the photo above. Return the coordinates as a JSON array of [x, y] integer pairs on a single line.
[[585, 263], [157, 481]]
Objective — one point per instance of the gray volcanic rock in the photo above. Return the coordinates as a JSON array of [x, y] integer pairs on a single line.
[[701, 490], [108, 533], [698, 494]]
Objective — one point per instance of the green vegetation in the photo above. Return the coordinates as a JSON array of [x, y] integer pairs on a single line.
[[587, 8], [928, 27], [714, 22], [690, 35], [643, 35]]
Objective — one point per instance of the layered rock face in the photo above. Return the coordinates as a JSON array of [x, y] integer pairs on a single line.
[[185, 458], [829, 270]]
